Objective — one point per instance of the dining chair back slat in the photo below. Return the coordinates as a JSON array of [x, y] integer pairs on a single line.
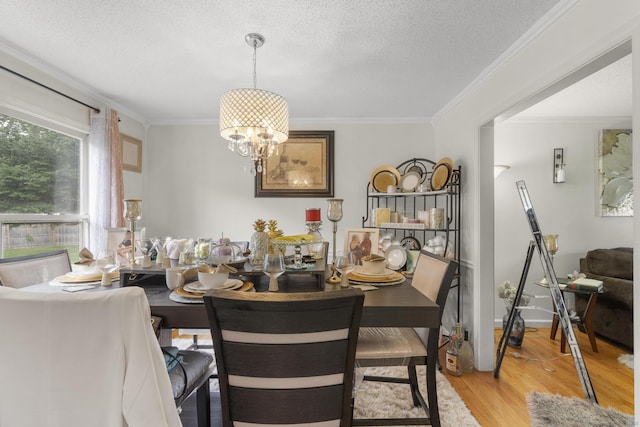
[[285, 358], [23, 271]]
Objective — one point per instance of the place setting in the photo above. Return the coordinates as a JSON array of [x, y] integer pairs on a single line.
[[374, 272], [90, 272], [208, 279]]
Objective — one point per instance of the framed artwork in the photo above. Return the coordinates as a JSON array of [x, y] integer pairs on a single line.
[[302, 167], [615, 174], [131, 153], [361, 242]]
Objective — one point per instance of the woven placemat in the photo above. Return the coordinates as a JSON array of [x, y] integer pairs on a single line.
[[84, 278]]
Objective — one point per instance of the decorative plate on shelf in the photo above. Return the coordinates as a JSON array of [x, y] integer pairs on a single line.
[[384, 176], [440, 176], [410, 181], [447, 162], [396, 257], [420, 170]]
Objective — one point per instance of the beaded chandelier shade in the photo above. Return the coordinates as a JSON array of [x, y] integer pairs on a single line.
[[254, 121]]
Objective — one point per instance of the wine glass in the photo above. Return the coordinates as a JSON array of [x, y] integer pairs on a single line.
[[345, 264], [273, 267], [107, 262]]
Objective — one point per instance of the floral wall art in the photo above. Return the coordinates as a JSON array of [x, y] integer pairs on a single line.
[[615, 178]]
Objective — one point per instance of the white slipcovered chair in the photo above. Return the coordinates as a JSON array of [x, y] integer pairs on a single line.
[[23, 271], [82, 359]]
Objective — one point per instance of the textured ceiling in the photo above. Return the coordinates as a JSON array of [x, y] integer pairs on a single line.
[[170, 61]]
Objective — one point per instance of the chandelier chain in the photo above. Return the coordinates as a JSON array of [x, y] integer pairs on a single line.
[[255, 75]]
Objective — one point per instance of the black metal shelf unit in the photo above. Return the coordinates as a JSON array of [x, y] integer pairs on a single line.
[[411, 203]]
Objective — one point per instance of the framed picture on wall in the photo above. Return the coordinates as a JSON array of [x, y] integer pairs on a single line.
[[302, 167], [131, 153], [615, 174], [361, 242]]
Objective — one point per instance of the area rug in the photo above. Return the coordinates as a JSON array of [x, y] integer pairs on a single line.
[[554, 410], [379, 400], [626, 360]]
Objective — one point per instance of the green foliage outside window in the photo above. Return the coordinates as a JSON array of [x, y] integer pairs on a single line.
[[39, 169]]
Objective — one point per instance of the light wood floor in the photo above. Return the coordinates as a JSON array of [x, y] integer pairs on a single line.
[[539, 366]]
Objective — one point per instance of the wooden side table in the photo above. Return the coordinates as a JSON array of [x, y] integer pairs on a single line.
[[584, 320]]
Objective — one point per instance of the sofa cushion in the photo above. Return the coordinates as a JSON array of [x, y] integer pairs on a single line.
[[616, 262]]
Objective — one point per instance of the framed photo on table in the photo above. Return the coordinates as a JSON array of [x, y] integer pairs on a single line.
[[119, 239], [361, 242], [302, 167]]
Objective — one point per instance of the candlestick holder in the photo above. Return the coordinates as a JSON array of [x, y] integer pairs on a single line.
[[334, 213], [132, 213]]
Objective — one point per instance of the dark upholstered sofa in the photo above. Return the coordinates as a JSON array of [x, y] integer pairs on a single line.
[[613, 315]]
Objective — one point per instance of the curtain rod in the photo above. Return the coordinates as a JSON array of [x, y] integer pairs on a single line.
[[97, 110]]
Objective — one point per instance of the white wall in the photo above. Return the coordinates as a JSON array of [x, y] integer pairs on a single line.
[[567, 209], [568, 43], [195, 187]]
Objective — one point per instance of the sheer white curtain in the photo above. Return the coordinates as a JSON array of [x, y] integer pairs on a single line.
[[104, 177]]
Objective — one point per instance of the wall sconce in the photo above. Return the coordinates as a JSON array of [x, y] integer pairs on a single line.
[[498, 169], [558, 165]]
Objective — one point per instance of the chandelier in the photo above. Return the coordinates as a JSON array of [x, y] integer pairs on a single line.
[[254, 121]]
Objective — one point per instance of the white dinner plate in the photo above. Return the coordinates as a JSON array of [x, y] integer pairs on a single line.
[[198, 287], [178, 298], [360, 271], [396, 257]]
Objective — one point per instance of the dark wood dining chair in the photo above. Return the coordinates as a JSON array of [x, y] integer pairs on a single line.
[[408, 346], [285, 358], [28, 270]]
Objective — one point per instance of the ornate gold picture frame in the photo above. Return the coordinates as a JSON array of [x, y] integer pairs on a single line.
[[302, 167]]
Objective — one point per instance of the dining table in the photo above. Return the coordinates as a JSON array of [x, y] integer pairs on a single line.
[[399, 305]]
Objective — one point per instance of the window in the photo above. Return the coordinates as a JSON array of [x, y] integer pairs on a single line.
[[40, 189]]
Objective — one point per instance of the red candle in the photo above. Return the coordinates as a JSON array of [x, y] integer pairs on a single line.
[[312, 214]]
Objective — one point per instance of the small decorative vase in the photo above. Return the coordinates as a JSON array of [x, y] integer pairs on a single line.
[[517, 331]]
